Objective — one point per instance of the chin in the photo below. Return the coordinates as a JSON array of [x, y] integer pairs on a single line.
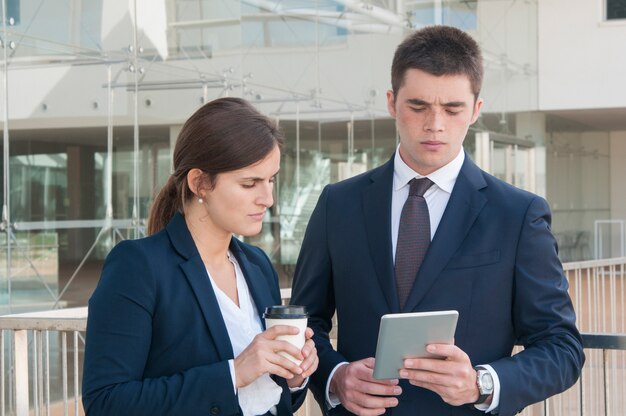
[[249, 232]]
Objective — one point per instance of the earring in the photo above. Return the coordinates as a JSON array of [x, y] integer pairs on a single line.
[[200, 200]]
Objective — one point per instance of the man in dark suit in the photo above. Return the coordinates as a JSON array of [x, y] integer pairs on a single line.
[[488, 253]]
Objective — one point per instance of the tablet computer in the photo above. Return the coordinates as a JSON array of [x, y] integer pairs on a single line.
[[405, 335]]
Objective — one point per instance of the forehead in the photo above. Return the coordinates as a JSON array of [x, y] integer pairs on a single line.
[[264, 168], [429, 87]]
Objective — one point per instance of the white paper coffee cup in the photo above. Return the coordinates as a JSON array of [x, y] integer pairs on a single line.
[[292, 315]]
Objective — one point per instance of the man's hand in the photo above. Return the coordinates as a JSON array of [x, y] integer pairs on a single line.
[[453, 378], [360, 393]]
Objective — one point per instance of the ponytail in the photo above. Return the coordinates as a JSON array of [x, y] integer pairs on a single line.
[[165, 205]]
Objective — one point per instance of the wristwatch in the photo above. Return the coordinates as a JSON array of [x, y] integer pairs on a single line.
[[484, 381]]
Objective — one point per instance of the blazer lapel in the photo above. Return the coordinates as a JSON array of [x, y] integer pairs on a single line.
[[257, 282], [198, 279], [378, 228], [464, 205]]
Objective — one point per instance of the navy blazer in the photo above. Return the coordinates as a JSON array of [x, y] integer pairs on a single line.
[[493, 258], [156, 340]]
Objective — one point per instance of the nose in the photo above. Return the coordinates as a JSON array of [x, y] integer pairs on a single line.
[[266, 197], [434, 121]]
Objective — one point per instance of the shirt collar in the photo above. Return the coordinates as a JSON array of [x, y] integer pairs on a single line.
[[444, 177]]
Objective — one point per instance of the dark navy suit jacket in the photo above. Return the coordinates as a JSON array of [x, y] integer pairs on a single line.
[[493, 258], [156, 340]]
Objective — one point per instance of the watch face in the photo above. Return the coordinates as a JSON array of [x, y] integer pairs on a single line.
[[486, 381]]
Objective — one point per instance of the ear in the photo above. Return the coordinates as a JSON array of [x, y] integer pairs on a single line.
[[476, 112], [194, 181], [391, 104]]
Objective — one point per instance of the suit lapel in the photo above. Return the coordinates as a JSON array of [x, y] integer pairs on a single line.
[[464, 205], [198, 278], [378, 228], [256, 281]]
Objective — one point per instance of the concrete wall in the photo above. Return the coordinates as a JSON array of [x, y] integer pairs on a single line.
[[582, 59]]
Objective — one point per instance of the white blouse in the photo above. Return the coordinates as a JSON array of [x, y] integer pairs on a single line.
[[243, 324]]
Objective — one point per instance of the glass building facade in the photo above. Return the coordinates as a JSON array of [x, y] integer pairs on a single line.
[[94, 93]]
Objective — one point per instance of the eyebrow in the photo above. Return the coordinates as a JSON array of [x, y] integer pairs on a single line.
[[418, 102], [257, 179]]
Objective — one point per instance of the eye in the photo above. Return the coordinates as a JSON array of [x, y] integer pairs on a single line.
[[452, 113], [417, 109], [247, 185]]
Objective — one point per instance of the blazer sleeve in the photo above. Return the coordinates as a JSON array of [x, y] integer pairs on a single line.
[[119, 330], [543, 318], [313, 288]]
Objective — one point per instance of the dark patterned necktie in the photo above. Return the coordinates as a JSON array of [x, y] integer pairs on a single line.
[[413, 237]]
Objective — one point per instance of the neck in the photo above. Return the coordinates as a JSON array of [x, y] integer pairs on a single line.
[[211, 242]]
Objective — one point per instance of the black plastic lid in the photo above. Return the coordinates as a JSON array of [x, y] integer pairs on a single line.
[[285, 312]]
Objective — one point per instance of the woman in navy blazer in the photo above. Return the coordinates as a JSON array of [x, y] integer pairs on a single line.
[[175, 324]]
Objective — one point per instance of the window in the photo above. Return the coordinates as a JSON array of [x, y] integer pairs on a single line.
[[13, 12], [615, 9]]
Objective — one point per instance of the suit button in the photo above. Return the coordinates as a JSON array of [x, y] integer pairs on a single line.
[[215, 410]]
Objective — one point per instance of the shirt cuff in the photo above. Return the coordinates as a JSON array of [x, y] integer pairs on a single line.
[[332, 400], [495, 398], [231, 365], [302, 387]]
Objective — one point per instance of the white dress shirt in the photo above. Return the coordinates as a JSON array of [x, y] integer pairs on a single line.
[[437, 197]]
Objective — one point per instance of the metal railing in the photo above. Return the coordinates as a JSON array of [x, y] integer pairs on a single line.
[[601, 389], [36, 362], [41, 370]]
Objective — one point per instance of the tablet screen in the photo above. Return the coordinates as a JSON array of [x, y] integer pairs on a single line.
[[405, 335]]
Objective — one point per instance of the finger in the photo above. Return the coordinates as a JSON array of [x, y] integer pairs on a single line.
[[367, 373], [311, 368], [280, 371], [311, 364], [369, 362], [378, 389], [375, 403], [430, 364], [308, 334], [309, 359], [277, 330], [289, 348], [425, 377], [285, 363], [448, 351], [309, 346]]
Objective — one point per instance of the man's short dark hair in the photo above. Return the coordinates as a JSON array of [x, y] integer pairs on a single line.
[[438, 50]]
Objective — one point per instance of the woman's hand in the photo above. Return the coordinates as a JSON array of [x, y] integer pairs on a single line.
[[262, 356], [310, 362]]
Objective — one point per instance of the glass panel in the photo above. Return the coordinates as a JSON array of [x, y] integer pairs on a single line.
[[458, 13], [615, 9], [205, 27], [501, 161], [578, 163], [521, 173], [320, 67]]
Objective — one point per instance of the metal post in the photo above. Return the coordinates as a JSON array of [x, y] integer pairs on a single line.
[[606, 382], [20, 348], [64, 369], [2, 372]]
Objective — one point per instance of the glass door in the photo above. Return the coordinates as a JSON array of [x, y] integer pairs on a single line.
[[506, 157]]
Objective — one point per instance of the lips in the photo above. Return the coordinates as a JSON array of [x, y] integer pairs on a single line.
[[259, 216], [432, 144]]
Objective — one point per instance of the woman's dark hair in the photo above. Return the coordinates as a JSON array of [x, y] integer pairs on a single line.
[[438, 50], [223, 135]]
